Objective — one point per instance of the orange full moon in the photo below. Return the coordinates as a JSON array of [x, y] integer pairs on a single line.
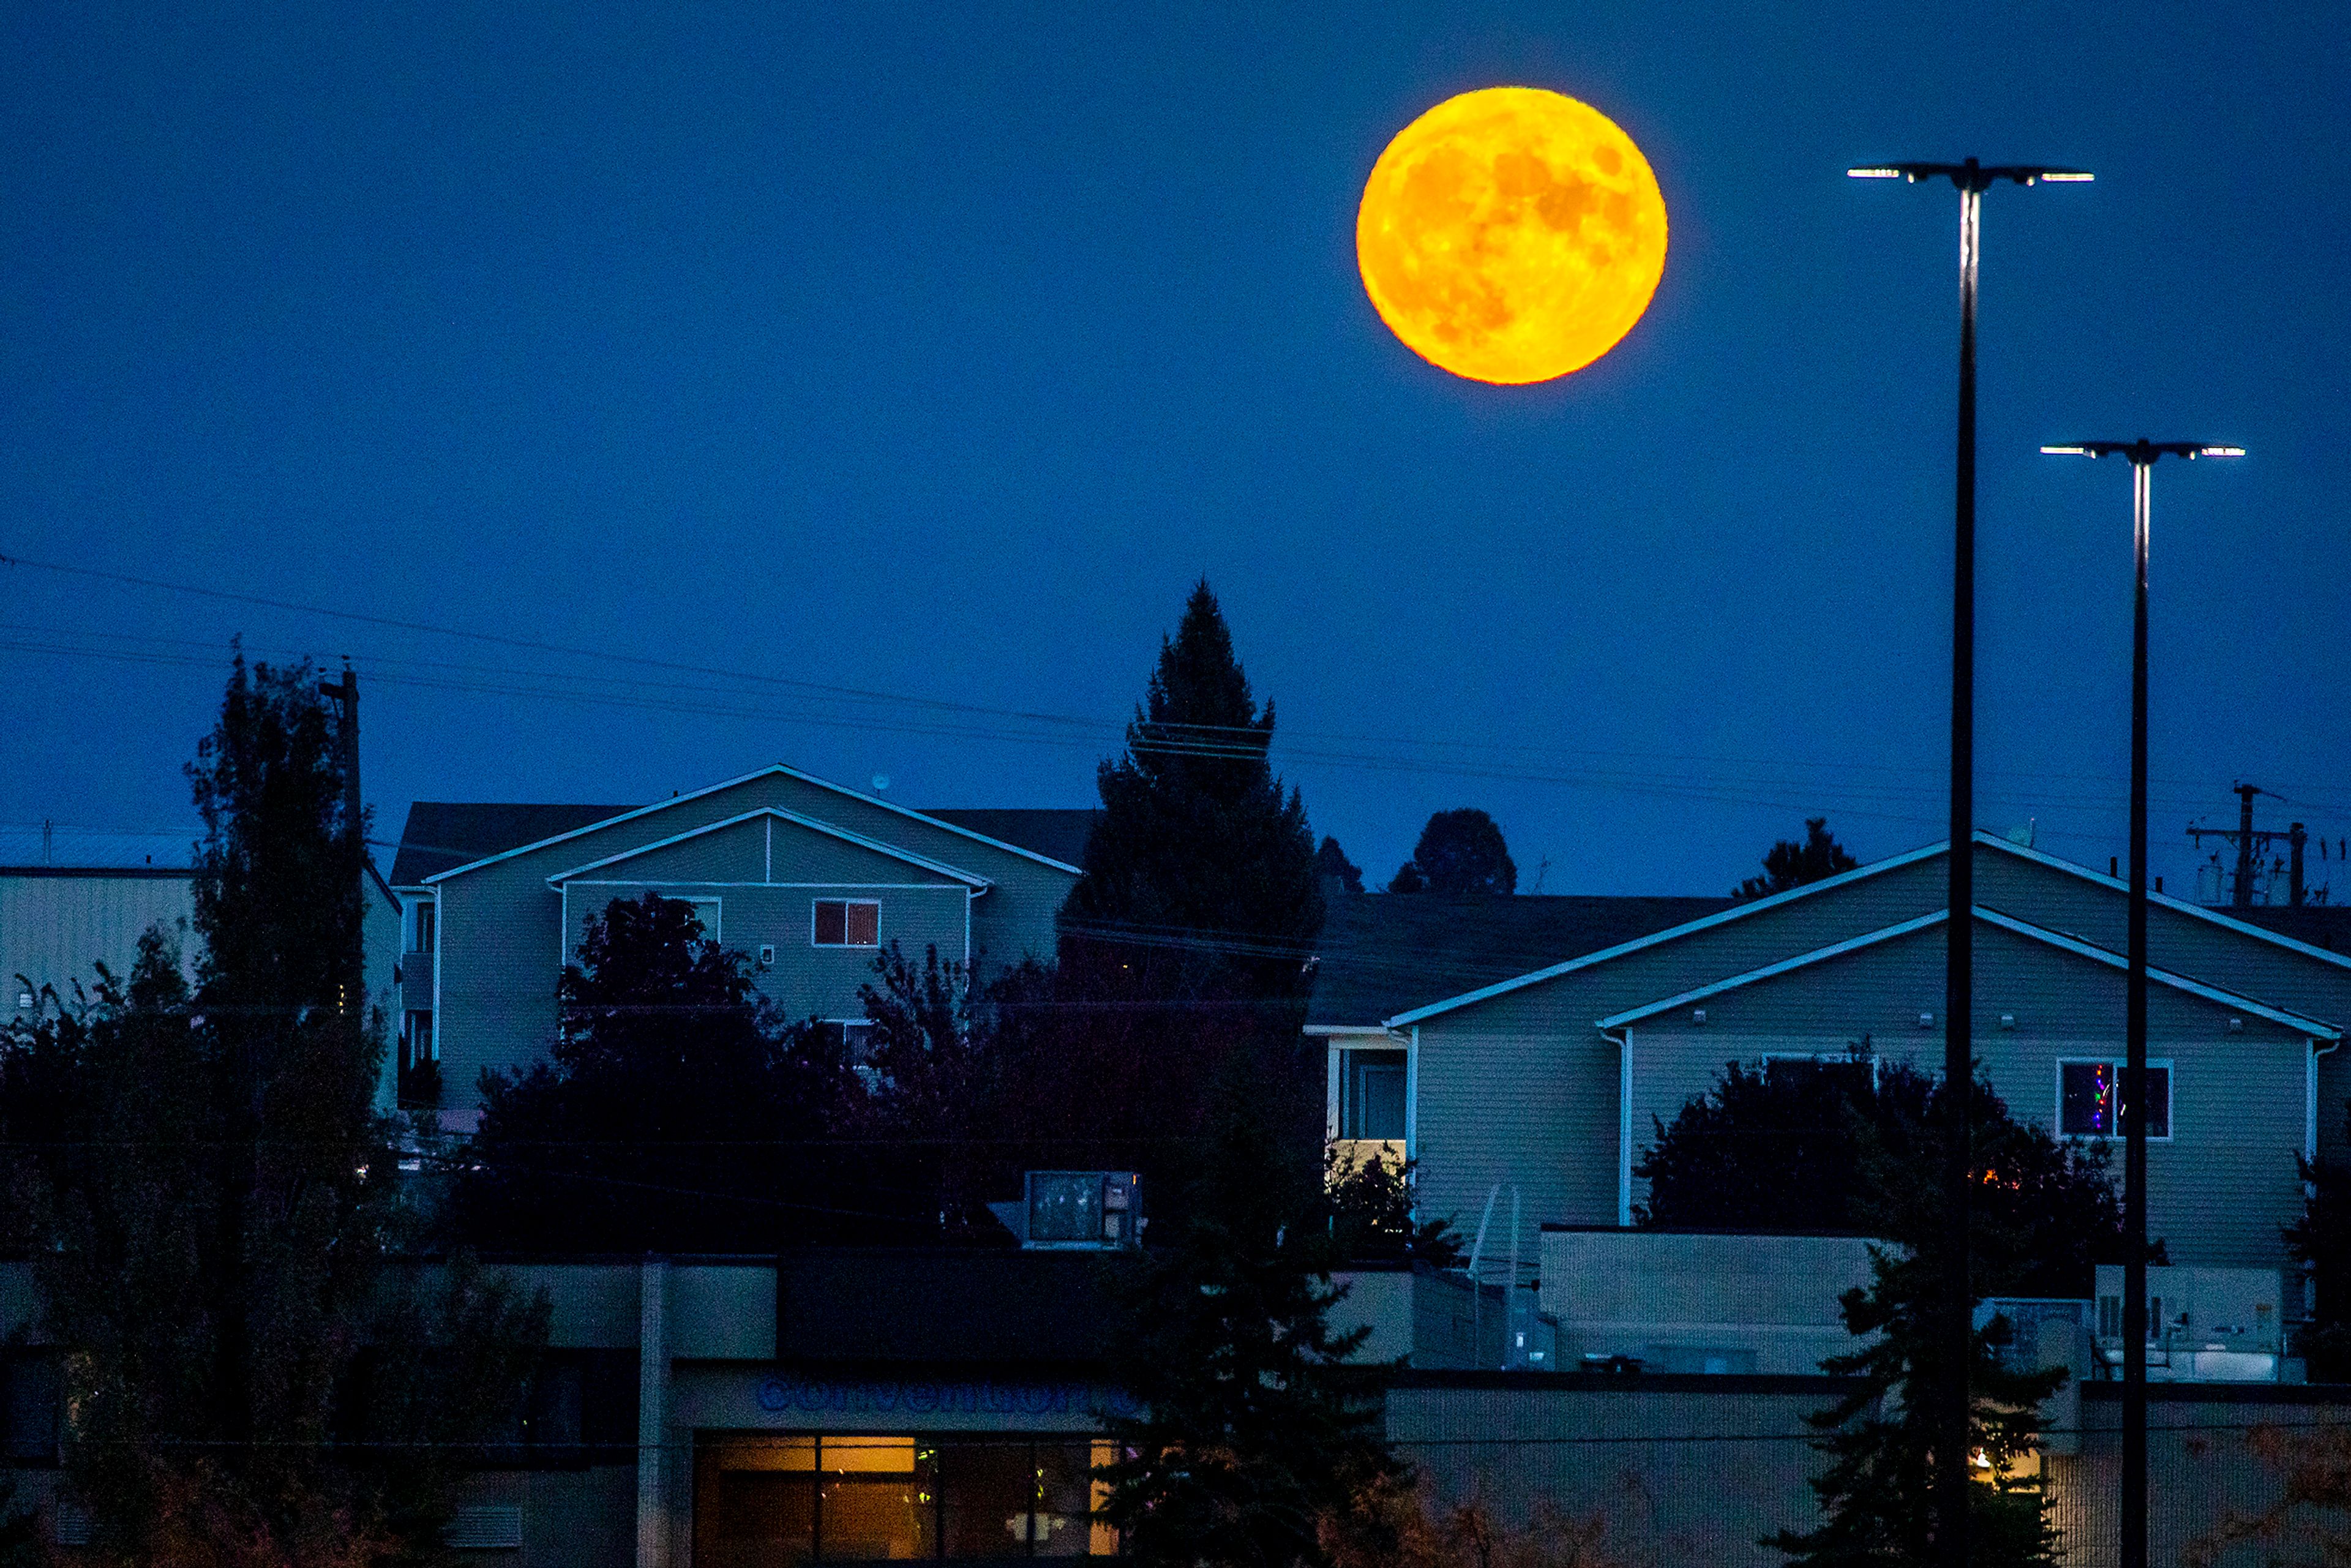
[[1511, 235]]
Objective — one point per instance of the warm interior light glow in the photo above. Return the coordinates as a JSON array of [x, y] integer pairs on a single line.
[[1511, 235]]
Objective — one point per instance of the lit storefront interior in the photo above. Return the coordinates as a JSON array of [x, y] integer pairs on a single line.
[[761, 1500]]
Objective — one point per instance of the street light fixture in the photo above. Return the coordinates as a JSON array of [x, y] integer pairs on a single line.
[[2143, 454], [1951, 1479]]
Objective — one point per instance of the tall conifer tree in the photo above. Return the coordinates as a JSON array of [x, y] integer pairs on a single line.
[[1194, 923], [1255, 1427]]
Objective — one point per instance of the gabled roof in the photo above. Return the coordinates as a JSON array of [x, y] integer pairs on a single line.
[[1735, 912], [2058, 939], [579, 873], [2325, 925], [1843, 879], [774, 769], [2212, 916], [1382, 951], [1059, 834], [443, 835]]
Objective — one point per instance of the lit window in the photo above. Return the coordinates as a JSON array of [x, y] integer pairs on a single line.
[[1370, 1095], [2090, 1099], [848, 922]]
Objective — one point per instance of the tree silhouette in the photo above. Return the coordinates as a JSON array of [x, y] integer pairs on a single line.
[[1461, 851], [1792, 865], [1331, 865], [1187, 934]]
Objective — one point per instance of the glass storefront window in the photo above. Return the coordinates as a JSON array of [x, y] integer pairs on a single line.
[[765, 1502]]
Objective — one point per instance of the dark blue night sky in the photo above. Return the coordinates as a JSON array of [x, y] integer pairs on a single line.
[[936, 350]]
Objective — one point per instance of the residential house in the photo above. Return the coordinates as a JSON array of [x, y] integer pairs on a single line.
[[1552, 1081], [808, 879]]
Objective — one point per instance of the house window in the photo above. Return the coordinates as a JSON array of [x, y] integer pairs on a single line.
[[2090, 1099], [420, 1047], [705, 910], [1853, 1072], [420, 927], [1370, 1095], [848, 922]]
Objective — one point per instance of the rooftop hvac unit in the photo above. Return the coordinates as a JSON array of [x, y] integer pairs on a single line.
[[1071, 1210]]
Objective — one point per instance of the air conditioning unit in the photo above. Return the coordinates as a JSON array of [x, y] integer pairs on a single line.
[[1080, 1209]]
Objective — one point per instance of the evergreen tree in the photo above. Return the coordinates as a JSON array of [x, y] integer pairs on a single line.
[[212, 1202], [1793, 864], [674, 1111], [1876, 1490], [1189, 931], [1256, 1429], [2320, 1240]]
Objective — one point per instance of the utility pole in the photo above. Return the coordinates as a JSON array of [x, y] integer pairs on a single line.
[[2252, 847], [2245, 794], [345, 694]]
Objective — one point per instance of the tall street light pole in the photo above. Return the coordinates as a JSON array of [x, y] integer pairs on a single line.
[[2142, 454], [1952, 1438]]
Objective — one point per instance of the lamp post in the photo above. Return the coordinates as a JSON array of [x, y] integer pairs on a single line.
[[2143, 454], [1951, 1447]]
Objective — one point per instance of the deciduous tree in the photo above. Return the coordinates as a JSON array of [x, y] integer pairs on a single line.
[[676, 1109], [1461, 851], [213, 1203], [1331, 865], [1789, 1146], [2320, 1239]]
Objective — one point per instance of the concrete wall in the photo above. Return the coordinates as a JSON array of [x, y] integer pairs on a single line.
[[1683, 1470], [1694, 1469], [1766, 1304]]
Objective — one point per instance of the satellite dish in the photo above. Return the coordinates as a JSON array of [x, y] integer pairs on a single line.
[[881, 782]]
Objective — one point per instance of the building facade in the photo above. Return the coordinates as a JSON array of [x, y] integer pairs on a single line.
[[90, 897], [808, 880], [1551, 1083]]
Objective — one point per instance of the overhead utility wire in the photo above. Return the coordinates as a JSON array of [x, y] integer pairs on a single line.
[[1779, 793], [1789, 779], [1251, 743]]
